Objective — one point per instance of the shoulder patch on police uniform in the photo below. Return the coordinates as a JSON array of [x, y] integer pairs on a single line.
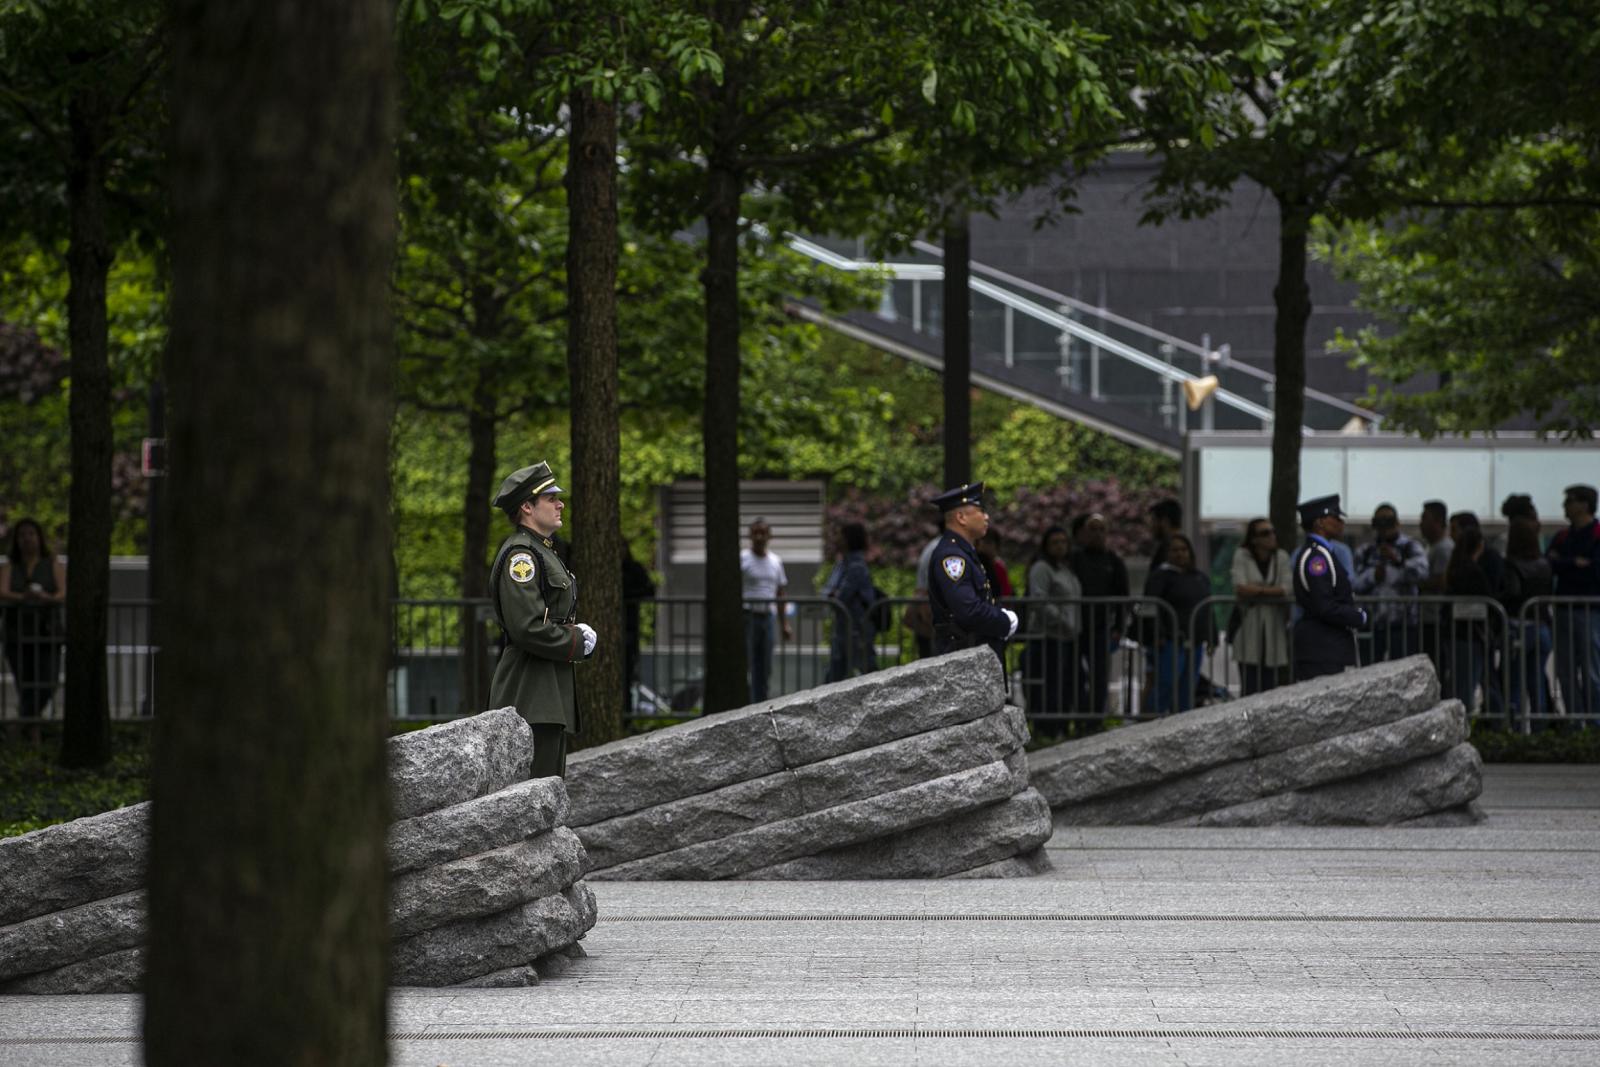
[[521, 568], [955, 567], [1317, 565]]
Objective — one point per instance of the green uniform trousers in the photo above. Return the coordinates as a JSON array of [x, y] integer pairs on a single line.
[[549, 750]]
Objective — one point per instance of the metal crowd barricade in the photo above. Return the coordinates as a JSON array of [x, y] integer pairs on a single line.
[[1126, 660], [1103, 672], [1556, 663], [666, 678], [1471, 641], [33, 662], [33, 677], [442, 658]]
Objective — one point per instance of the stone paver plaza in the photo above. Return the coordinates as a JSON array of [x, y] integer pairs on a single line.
[[1470, 945]]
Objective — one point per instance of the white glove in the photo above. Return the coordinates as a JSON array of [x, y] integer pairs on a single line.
[[589, 637], [1008, 613]]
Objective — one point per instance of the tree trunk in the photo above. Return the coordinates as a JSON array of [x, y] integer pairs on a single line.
[[1293, 298], [475, 635], [86, 739], [592, 366], [726, 683], [957, 354], [268, 882]]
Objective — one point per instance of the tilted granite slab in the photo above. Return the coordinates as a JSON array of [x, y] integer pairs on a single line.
[[843, 824], [115, 972], [1301, 767], [512, 814], [550, 965], [74, 863], [995, 833], [1468, 814], [460, 951], [457, 761], [484, 884], [771, 798], [1422, 787], [518, 977], [735, 746], [1026, 865], [474, 838], [49, 942], [1259, 725]]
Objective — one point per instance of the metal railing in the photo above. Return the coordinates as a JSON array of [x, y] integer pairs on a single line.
[[35, 661], [1075, 665], [1050, 343]]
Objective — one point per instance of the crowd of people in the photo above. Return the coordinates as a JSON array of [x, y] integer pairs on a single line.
[[1449, 592]]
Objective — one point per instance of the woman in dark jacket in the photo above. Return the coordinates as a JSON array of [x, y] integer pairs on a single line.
[[1466, 578], [1181, 584], [1527, 575], [33, 586], [850, 584]]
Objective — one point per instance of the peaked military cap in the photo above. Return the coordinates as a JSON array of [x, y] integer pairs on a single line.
[[523, 484], [1316, 508], [950, 499]]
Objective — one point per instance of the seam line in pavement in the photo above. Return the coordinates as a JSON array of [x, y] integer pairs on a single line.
[[928, 1033], [1054, 917], [1301, 848]]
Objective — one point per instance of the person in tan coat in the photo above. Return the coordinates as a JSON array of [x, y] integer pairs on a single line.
[[536, 604]]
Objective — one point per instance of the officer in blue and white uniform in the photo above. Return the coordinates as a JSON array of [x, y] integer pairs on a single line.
[[964, 612], [1325, 635]]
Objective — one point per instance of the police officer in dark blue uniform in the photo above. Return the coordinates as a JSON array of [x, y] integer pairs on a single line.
[[1325, 635], [964, 612]]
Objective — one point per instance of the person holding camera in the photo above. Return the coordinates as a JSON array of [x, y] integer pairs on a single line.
[[1391, 567]]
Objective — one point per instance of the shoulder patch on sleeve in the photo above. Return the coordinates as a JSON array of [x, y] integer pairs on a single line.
[[955, 567], [521, 568], [1317, 565]]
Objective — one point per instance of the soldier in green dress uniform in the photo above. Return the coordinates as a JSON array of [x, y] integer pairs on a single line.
[[536, 603]]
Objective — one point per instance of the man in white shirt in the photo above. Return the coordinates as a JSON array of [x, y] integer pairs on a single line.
[[764, 582]]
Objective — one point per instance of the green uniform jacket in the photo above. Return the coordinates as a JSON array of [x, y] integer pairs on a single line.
[[535, 598]]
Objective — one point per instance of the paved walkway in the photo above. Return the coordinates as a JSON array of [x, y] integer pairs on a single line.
[[1145, 946]]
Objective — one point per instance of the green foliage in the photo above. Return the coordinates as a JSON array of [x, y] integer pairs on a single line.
[[878, 437], [1498, 745], [36, 792], [1501, 301], [1278, 91], [101, 58], [34, 471], [1029, 448]]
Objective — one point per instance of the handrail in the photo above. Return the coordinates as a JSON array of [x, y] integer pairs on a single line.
[[1038, 313], [1063, 324], [1214, 355]]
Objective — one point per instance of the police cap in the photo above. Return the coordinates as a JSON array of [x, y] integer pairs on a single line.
[[1316, 508], [524, 484], [950, 499]]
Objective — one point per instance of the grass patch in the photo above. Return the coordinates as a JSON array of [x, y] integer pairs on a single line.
[[36, 792], [1546, 746]]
